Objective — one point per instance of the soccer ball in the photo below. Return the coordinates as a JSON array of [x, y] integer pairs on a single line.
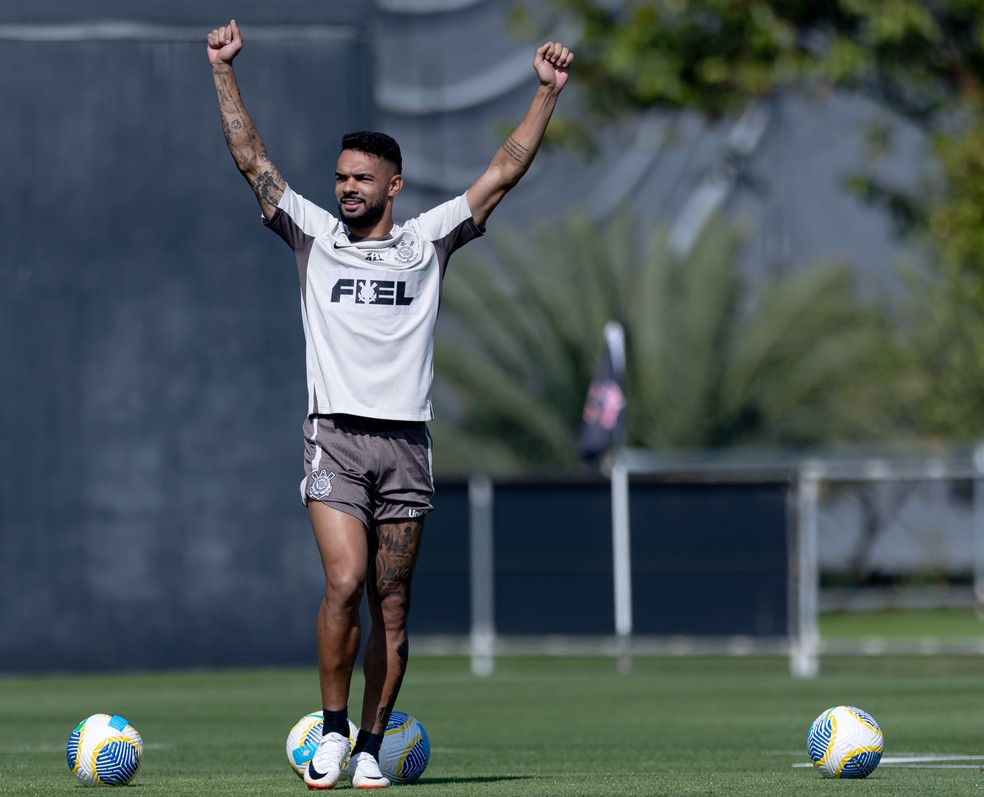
[[405, 750], [304, 739], [845, 742], [104, 750]]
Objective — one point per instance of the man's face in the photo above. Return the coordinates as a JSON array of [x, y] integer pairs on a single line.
[[364, 184]]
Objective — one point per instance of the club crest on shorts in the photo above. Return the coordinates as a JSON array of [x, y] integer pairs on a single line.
[[320, 484]]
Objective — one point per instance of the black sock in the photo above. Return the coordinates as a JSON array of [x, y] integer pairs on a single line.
[[367, 742], [335, 722]]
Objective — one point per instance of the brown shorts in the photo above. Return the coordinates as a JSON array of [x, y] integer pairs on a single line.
[[378, 471]]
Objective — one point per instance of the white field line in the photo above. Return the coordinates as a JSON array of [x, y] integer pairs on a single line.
[[926, 762]]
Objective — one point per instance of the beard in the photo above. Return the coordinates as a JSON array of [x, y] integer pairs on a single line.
[[366, 217]]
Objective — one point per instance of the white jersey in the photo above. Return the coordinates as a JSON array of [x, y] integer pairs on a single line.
[[369, 307]]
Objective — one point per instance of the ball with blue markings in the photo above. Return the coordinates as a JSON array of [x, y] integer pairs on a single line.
[[845, 742], [104, 750], [304, 738], [405, 751]]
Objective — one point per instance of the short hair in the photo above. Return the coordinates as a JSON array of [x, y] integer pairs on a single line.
[[378, 144]]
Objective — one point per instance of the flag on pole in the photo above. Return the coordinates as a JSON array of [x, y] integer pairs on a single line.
[[602, 421]]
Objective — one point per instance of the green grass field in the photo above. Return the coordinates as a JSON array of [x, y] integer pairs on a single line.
[[898, 623], [537, 726]]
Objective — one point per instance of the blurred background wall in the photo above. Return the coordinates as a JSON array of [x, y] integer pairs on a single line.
[[151, 389]]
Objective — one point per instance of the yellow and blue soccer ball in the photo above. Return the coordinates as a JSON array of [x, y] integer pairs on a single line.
[[845, 742], [405, 751], [104, 750], [304, 739]]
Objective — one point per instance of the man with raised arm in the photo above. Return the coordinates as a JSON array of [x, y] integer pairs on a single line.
[[370, 289]]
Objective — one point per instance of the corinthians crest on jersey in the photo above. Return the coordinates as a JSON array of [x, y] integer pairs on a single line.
[[402, 250], [406, 249]]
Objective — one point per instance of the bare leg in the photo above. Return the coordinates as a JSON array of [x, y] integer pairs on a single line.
[[387, 648], [344, 550]]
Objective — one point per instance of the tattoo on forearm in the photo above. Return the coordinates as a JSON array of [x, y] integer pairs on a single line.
[[240, 135], [266, 187], [237, 132], [516, 151]]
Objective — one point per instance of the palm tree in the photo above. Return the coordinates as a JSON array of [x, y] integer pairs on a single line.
[[708, 364]]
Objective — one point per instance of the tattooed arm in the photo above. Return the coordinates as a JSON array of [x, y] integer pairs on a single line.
[[244, 142], [513, 159]]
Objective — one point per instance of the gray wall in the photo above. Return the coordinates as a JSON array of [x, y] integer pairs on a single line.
[[707, 560], [151, 353]]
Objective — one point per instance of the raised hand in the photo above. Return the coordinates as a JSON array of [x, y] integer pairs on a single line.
[[224, 43], [552, 64]]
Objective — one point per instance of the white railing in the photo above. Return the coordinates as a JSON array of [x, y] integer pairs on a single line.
[[808, 477]]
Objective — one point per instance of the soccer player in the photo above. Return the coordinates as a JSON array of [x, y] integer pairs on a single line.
[[370, 289]]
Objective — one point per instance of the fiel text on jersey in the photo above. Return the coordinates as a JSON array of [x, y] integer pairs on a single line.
[[365, 291]]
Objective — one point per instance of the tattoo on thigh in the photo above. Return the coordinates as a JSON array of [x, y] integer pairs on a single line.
[[396, 557]]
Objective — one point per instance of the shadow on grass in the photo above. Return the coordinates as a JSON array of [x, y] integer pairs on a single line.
[[479, 779]]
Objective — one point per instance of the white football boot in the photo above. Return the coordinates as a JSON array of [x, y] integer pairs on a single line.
[[363, 769], [324, 770]]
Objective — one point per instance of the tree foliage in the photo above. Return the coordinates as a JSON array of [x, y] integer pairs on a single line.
[[716, 55], [707, 365], [921, 59]]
